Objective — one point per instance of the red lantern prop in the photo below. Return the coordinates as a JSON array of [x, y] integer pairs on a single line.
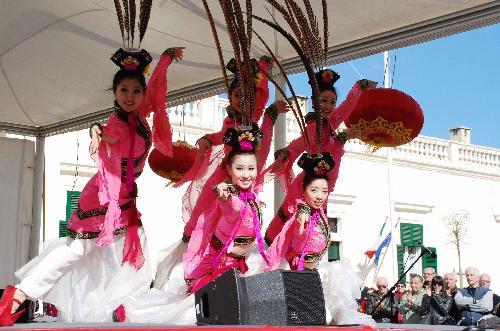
[[173, 168], [385, 117]]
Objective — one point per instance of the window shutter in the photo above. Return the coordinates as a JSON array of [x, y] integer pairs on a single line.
[[411, 233], [71, 206], [429, 261], [401, 254], [334, 251], [71, 202]]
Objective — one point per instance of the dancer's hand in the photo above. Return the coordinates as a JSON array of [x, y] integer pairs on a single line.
[[302, 218], [222, 191], [176, 53], [282, 106], [203, 146], [96, 140]]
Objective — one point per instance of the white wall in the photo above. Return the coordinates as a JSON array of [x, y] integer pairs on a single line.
[[430, 178]]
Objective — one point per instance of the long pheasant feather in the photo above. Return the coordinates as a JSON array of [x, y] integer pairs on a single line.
[[217, 43], [127, 21], [145, 8], [119, 15], [132, 19]]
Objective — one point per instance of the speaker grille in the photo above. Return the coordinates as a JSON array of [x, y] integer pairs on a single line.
[[304, 298]]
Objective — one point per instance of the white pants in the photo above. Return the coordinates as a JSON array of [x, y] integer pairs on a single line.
[[85, 282]]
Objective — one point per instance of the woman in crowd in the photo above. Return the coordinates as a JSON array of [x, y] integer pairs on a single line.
[[436, 304]]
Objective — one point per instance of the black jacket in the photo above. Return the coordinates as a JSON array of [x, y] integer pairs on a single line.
[[436, 309], [387, 312]]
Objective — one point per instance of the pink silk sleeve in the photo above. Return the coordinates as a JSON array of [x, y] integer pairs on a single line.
[[337, 153], [231, 208], [262, 92], [156, 99], [199, 168], [109, 178], [346, 107], [280, 245]]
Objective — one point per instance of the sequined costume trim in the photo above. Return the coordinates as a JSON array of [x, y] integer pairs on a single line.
[[272, 112], [99, 211], [93, 235]]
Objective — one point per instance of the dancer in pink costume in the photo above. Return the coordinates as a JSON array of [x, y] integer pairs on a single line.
[[225, 231], [332, 142], [206, 171], [305, 237], [101, 261]]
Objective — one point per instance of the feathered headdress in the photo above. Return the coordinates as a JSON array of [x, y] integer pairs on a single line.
[[130, 57], [240, 33], [307, 42], [318, 164]]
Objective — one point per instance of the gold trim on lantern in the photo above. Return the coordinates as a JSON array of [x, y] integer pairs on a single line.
[[364, 129]]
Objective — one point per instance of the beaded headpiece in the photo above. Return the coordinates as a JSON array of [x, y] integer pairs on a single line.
[[318, 164], [244, 139]]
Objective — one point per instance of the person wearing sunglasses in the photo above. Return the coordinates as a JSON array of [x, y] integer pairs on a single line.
[[387, 311]]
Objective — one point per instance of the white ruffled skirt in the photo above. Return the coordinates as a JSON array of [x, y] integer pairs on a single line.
[[85, 282]]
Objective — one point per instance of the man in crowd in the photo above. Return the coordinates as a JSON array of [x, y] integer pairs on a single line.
[[485, 280], [387, 310], [450, 282], [411, 302], [429, 274], [473, 301]]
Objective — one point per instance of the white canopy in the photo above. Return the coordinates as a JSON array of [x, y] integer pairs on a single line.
[[54, 54]]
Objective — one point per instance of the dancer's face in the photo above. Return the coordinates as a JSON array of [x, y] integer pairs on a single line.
[[129, 94], [243, 170], [316, 193], [235, 99], [327, 102]]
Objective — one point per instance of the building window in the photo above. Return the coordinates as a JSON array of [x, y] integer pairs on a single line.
[[334, 251], [333, 223], [409, 250], [71, 206]]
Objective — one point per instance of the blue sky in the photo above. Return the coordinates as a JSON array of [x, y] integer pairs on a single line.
[[456, 81]]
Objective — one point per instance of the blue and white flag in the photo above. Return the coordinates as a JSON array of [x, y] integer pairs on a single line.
[[384, 243]]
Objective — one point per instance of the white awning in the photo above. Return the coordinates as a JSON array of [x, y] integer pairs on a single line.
[[54, 54]]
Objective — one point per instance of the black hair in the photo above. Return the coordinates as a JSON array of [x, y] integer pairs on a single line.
[[310, 176], [128, 74], [439, 281]]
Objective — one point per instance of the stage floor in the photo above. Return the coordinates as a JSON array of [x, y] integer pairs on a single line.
[[146, 327]]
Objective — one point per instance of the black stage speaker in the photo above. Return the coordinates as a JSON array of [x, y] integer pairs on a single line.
[[29, 313], [280, 297]]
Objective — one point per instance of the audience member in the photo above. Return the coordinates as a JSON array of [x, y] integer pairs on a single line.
[[436, 304], [485, 280], [400, 290], [474, 301], [412, 300], [429, 274], [450, 282], [387, 310]]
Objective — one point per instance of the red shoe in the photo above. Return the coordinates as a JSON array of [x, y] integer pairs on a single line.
[[6, 318]]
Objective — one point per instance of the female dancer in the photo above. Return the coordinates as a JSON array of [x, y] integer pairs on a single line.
[[205, 172], [305, 237], [225, 232], [87, 274], [331, 142]]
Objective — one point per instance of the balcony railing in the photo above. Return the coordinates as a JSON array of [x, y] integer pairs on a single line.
[[198, 117]]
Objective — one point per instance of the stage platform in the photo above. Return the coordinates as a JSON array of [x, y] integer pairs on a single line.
[[156, 327]]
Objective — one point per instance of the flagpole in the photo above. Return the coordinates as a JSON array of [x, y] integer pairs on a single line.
[[387, 84]]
